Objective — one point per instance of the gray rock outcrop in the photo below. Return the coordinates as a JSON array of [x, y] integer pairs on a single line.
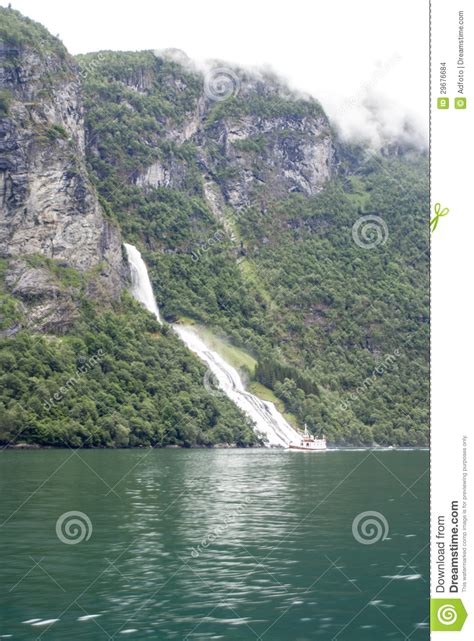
[[48, 207]]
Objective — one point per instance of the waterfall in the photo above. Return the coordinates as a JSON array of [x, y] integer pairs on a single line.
[[268, 420], [141, 285]]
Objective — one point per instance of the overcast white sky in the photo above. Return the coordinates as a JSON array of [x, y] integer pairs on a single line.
[[349, 54]]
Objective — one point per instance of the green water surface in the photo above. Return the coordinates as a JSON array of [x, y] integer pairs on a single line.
[[214, 544]]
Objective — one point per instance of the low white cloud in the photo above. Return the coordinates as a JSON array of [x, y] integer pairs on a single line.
[[365, 61]]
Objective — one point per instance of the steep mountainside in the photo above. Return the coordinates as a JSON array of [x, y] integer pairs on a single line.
[[49, 208], [247, 207], [254, 219], [104, 373]]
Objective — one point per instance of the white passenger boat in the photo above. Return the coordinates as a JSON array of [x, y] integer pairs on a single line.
[[308, 443]]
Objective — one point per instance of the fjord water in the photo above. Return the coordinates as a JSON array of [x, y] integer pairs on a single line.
[[213, 544]]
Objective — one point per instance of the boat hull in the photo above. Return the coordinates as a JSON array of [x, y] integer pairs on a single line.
[[298, 448]]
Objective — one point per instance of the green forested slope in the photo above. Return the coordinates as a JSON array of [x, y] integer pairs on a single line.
[[117, 379], [290, 285], [339, 329]]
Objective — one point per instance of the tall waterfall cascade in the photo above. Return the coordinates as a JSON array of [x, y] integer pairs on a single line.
[[141, 285], [268, 420]]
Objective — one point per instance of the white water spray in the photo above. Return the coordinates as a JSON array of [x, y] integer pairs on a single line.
[[268, 420], [141, 285]]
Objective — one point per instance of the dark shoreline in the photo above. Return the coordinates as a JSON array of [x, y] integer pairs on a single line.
[[339, 448]]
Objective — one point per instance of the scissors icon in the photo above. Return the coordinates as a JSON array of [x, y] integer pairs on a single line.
[[439, 212]]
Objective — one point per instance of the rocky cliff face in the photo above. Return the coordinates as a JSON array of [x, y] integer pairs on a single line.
[[249, 134], [260, 141], [274, 156], [48, 206], [233, 138], [265, 142]]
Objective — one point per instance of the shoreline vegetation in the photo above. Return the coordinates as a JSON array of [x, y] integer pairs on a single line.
[[222, 446]]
